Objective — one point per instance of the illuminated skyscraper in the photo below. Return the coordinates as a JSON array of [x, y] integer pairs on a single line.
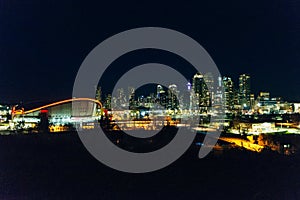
[[161, 95], [252, 100], [198, 83], [107, 102], [209, 95], [244, 90], [228, 93], [131, 97], [173, 95], [186, 97], [159, 91], [98, 93], [121, 98], [189, 86], [218, 96], [199, 91]]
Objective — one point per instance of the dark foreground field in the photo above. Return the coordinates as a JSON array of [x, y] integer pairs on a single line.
[[59, 167]]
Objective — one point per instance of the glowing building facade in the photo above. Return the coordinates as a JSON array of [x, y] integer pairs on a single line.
[[244, 90]]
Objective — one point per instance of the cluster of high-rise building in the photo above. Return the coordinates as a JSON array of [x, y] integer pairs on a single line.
[[200, 95], [242, 99]]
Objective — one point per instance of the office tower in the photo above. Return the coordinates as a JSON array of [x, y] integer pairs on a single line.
[[218, 96], [236, 98], [185, 97], [121, 98], [131, 97], [107, 102], [198, 83], [161, 95], [173, 97], [228, 93], [98, 93], [189, 86], [252, 100], [199, 91], [209, 94], [131, 92], [244, 91], [159, 91]]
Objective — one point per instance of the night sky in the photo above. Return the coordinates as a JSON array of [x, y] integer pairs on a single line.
[[43, 43]]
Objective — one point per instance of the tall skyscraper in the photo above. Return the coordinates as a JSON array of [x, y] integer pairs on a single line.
[[244, 90], [198, 83], [131, 97], [161, 95], [107, 102], [252, 101], [209, 94], [189, 86], [98, 93], [186, 97], [173, 95], [228, 93], [218, 96], [200, 91], [121, 98], [159, 91]]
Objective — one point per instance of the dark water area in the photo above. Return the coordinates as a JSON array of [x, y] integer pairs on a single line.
[[57, 166]]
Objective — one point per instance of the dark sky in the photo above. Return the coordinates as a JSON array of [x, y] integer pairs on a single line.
[[43, 43]]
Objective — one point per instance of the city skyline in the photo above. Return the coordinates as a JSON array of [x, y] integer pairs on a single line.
[[200, 96], [149, 99]]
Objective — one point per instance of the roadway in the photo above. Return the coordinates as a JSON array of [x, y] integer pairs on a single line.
[[243, 143]]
